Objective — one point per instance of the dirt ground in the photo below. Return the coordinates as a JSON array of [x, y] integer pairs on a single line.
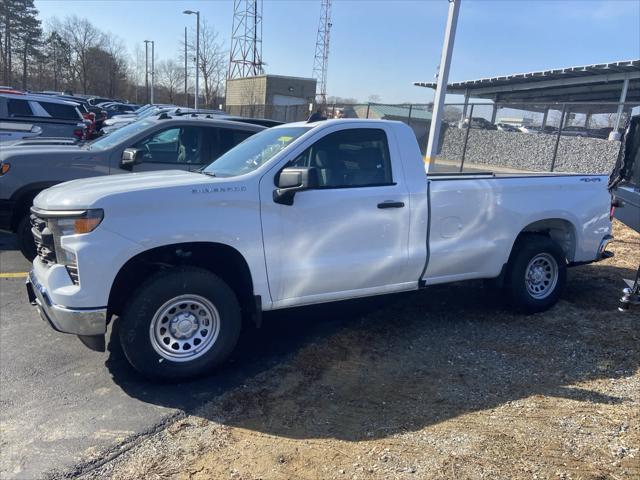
[[441, 383]]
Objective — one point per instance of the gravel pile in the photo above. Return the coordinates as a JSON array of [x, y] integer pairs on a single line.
[[530, 151]]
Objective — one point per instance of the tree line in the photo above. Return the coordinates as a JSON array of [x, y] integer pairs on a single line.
[[71, 54]]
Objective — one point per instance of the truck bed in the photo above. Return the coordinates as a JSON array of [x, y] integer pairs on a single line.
[[474, 218]]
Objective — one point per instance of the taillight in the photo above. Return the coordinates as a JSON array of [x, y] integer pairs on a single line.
[[78, 133], [615, 203]]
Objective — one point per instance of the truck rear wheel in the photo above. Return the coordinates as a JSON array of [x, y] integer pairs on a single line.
[[180, 323], [536, 274], [25, 238]]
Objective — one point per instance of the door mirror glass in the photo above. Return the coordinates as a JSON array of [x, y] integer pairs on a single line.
[[130, 157], [292, 180]]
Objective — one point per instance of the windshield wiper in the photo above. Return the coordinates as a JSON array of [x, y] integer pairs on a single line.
[[204, 172]]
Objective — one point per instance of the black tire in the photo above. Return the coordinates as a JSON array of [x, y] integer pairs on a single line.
[[25, 238], [517, 285], [136, 333]]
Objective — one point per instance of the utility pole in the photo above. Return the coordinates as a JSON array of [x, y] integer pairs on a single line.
[[441, 85], [146, 71], [186, 93]]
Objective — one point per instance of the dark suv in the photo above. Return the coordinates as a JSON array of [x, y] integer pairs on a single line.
[[156, 143]]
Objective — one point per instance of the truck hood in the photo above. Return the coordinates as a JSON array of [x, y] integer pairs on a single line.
[[87, 193]]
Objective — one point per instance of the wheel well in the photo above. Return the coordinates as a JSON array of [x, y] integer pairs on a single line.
[[559, 230], [223, 260], [24, 199]]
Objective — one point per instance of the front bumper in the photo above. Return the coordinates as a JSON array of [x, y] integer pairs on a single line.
[[79, 321]]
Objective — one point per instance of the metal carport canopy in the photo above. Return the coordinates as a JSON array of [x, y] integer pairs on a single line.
[[601, 82]]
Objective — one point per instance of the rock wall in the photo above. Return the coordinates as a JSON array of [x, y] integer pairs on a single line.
[[530, 151]]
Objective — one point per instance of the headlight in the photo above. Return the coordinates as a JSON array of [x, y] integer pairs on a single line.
[[75, 223], [64, 223]]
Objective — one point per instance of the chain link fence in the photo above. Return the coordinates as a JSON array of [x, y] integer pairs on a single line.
[[502, 137]]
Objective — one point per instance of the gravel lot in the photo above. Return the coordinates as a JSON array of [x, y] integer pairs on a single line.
[[442, 383], [528, 151]]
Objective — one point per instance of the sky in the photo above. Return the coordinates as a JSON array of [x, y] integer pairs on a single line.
[[379, 47]]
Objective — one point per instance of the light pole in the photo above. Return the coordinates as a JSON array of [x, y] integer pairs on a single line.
[[146, 70], [197, 14], [186, 92], [153, 68]]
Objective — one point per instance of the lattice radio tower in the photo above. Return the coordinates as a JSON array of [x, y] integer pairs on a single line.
[[246, 39], [321, 59]]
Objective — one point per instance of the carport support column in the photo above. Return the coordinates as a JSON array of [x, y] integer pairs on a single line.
[[544, 117], [615, 135], [464, 109], [433, 146], [587, 120], [494, 111]]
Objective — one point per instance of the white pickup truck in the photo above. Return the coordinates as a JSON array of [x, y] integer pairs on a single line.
[[298, 214]]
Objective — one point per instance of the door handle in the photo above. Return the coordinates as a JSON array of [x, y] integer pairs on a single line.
[[391, 204]]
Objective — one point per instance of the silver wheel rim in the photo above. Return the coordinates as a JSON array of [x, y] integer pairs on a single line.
[[184, 328], [541, 276]]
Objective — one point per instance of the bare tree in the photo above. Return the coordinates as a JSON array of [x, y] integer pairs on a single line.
[[83, 38], [171, 77], [213, 62]]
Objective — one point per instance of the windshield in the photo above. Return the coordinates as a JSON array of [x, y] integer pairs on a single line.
[[254, 151], [117, 136]]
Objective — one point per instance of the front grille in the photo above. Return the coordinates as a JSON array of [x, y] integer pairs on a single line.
[[45, 247], [73, 273]]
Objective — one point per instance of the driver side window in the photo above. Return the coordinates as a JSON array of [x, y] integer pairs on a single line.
[[357, 157], [172, 145]]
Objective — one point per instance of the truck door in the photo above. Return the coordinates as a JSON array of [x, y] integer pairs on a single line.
[[348, 237]]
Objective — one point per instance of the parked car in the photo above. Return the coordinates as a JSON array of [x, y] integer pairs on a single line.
[[119, 121], [505, 127], [12, 131], [98, 100], [56, 118], [298, 214], [480, 123], [573, 131], [625, 188], [118, 108], [538, 129], [181, 143]]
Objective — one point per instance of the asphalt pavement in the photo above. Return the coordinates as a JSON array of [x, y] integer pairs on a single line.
[[65, 409]]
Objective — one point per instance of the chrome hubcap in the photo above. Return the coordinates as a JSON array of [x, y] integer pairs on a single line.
[[184, 328], [541, 276]]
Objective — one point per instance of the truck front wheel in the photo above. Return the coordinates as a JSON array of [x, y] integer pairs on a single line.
[[536, 274], [180, 323]]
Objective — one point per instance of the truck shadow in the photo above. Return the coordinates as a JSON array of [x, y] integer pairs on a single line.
[[374, 368]]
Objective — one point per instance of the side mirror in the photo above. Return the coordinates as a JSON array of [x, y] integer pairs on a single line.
[[130, 157], [292, 180]]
